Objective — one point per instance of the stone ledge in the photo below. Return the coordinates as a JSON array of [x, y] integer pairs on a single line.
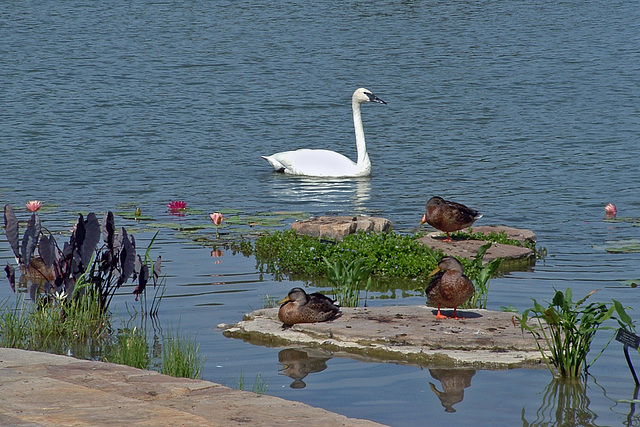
[[469, 248], [408, 334], [337, 227]]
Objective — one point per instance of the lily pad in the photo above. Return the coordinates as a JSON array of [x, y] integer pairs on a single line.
[[623, 246]]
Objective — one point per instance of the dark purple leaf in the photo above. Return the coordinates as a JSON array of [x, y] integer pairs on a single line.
[[91, 239], [143, 277], [78, 234], [11, 229], [127, 258], [109, 230], [30, 239], [11, 275], [47, 250], [157, 266]]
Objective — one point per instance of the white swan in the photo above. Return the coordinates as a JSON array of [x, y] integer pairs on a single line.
[[327, 163]]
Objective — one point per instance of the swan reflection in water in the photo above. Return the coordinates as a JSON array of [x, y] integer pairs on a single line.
[[297, 363], [453, 382], [348, 193]]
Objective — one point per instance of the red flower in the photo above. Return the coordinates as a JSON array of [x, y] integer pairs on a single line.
[[177, 205]]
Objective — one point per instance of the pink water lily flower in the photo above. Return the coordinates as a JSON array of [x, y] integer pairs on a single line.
[[177, 205], [33, 205], [217, 219], [610, 210]]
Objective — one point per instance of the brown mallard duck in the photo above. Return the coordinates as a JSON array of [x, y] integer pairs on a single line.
[[449, 286], [448, 216], [300, 307]]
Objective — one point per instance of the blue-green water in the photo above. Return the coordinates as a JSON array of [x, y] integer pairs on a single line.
[[526, 111]]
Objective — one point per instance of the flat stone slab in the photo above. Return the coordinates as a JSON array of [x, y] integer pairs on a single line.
[[41, 389], [469, 248], [409, 334], [337, 227]]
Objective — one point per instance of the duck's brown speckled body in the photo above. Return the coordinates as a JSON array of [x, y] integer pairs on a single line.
[[448, 216], [449, 286], [300, 307]]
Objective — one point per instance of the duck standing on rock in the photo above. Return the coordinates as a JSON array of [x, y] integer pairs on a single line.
[[300, 307], [448, 216], [449, 286]]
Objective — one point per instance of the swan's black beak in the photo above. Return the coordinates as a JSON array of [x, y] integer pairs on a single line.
[[373, 98]]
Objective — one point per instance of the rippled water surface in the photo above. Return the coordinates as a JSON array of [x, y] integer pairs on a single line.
[[527, 111]]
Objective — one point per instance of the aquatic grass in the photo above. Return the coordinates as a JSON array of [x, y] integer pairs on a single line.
[[180, 357], [56, 323], [259, 386], [567, 329], [348, 278], [269, 302], [14, 325], [130, 348]]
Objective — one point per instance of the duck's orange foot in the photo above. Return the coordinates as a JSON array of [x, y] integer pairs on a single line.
[[441, 316]]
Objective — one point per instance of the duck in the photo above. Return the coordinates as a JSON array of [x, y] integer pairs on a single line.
[[326, 163], [300, 307], [448, 216], [449, 286]]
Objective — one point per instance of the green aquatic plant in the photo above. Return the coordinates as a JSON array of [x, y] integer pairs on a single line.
[[56, 323], [180, 357], [347, 279], [259, 386], [105, 268], [564, 330], [384, 254], [480, 275], [130, 348]]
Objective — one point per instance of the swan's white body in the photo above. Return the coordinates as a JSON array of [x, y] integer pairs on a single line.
[[326, 163]]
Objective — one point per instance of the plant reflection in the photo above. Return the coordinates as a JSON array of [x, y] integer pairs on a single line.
[[297, 363], [453, 382], [565, 402]]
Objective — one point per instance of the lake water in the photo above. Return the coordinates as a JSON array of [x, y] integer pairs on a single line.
[[526, 111]]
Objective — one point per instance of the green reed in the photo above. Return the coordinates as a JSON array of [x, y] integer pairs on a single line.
[[348, 278], [130, 348], [480, 275], [567, 329], [180, 357]]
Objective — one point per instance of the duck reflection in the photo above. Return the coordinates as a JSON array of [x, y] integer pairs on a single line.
[[565, 402], [297, 363], [453, 382]]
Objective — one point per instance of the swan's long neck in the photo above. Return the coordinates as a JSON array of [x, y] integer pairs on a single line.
[[363, 156]]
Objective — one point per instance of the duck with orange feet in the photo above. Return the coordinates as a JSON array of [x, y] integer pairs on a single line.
[[449, 287], [448, 216]]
